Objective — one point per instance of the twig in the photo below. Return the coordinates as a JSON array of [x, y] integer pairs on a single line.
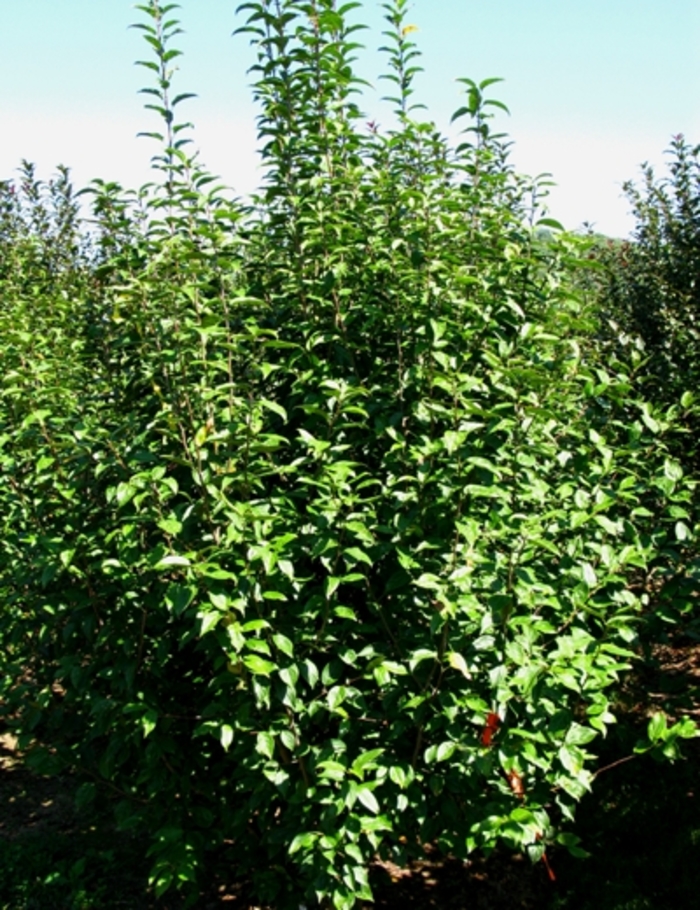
[[620, 761]]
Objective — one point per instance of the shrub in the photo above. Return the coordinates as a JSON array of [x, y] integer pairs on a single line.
[[650, 288], [322, 537]]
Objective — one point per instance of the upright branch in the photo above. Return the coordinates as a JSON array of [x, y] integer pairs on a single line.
[[158, 33]]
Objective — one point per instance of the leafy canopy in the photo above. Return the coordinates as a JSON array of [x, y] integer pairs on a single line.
[[327, 531]]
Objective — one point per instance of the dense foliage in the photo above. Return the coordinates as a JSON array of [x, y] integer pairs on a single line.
[[654, 289], [650, 287], [328, 526]]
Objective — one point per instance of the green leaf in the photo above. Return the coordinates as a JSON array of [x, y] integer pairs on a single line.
[[274, 595], [226, 736], [178, 597], [332, 770], [571, 842], [149, 721], [589, 575], [265, 744], [419, 656], [399, 776], [357, 555], [550, 223], [182, 97], [332, 584], [336, 696], [258, 665], [368, 799], [577, 735], [686, 728], [445, 751], [284, 644], [657, 727], [682, 531], [310, 672], [572, 759], [365, 762], [172, 561], [673, 470], [649, 421], [429, 581], [218, 600], [453, 440], [209, 621], [171, 526], [345, 613], [125, 492], [303, 841], [456, 661]]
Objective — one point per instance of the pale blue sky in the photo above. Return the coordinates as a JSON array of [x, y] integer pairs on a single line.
[[594, 88]]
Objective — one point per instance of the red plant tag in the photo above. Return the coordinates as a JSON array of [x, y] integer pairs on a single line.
[[492, 722]]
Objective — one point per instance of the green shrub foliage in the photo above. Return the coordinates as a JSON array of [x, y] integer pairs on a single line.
[[322, 533], [651, 285]]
